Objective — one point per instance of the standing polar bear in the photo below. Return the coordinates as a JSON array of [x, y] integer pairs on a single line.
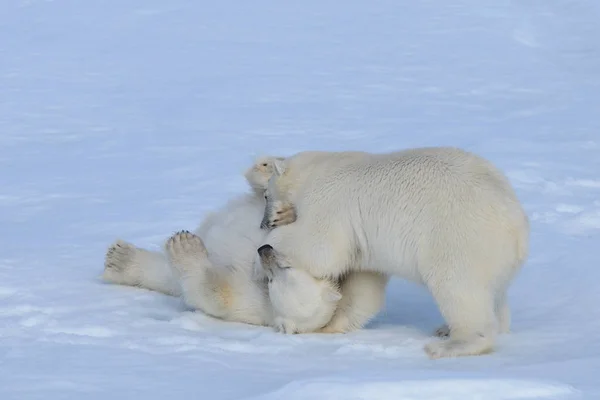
[[440, 216]]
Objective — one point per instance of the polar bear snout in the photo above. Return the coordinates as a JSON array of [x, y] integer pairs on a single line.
[[268, 260], [266, 250], [268, 257]]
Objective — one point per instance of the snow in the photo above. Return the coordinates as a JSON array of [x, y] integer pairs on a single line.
[[132, 119]]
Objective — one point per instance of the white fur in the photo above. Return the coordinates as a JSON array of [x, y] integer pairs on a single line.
[[259, 173], [212, 270], [297, 301], [363, 297], [441, 217]]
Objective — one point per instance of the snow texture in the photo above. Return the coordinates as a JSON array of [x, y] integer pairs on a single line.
[[132, 119]]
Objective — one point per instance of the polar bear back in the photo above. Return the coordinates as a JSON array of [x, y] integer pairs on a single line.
[[388, 210]]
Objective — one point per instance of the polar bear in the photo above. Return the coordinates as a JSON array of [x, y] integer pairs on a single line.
[[439, 216], [212, 269]]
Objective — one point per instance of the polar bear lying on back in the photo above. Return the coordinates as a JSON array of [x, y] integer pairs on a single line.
[[441, 217], [213, 270]]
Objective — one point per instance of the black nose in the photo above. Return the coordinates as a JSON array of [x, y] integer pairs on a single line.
[[264, 248]]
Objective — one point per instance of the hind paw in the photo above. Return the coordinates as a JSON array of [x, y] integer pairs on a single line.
[[475, 346], [442, 332], [120, 264], [184, 250]]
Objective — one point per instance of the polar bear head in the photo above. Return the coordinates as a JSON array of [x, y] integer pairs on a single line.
[[260, 172], [301, 302], [278, 209]]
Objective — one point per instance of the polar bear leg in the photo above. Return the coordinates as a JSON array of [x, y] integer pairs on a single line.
[[363, 296], [502, 315], [201, 284], [126, 264], [469, 310]]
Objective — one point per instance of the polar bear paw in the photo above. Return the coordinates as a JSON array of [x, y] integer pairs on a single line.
[[287, 327], [338, 324], [332, 329], [279, 214], [473, 346], [442, 332], [120, 264], [185, 250]]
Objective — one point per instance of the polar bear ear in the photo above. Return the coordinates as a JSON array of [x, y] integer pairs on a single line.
[[279, 166], [331, 295]]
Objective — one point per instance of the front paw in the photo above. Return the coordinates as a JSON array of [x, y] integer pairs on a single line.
[[284, 326], [279, 214], [284, 214]]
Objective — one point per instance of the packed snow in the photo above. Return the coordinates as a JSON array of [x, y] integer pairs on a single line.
[[133, 118]]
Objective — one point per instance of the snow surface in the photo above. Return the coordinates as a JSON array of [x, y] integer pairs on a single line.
[[133, 118]]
